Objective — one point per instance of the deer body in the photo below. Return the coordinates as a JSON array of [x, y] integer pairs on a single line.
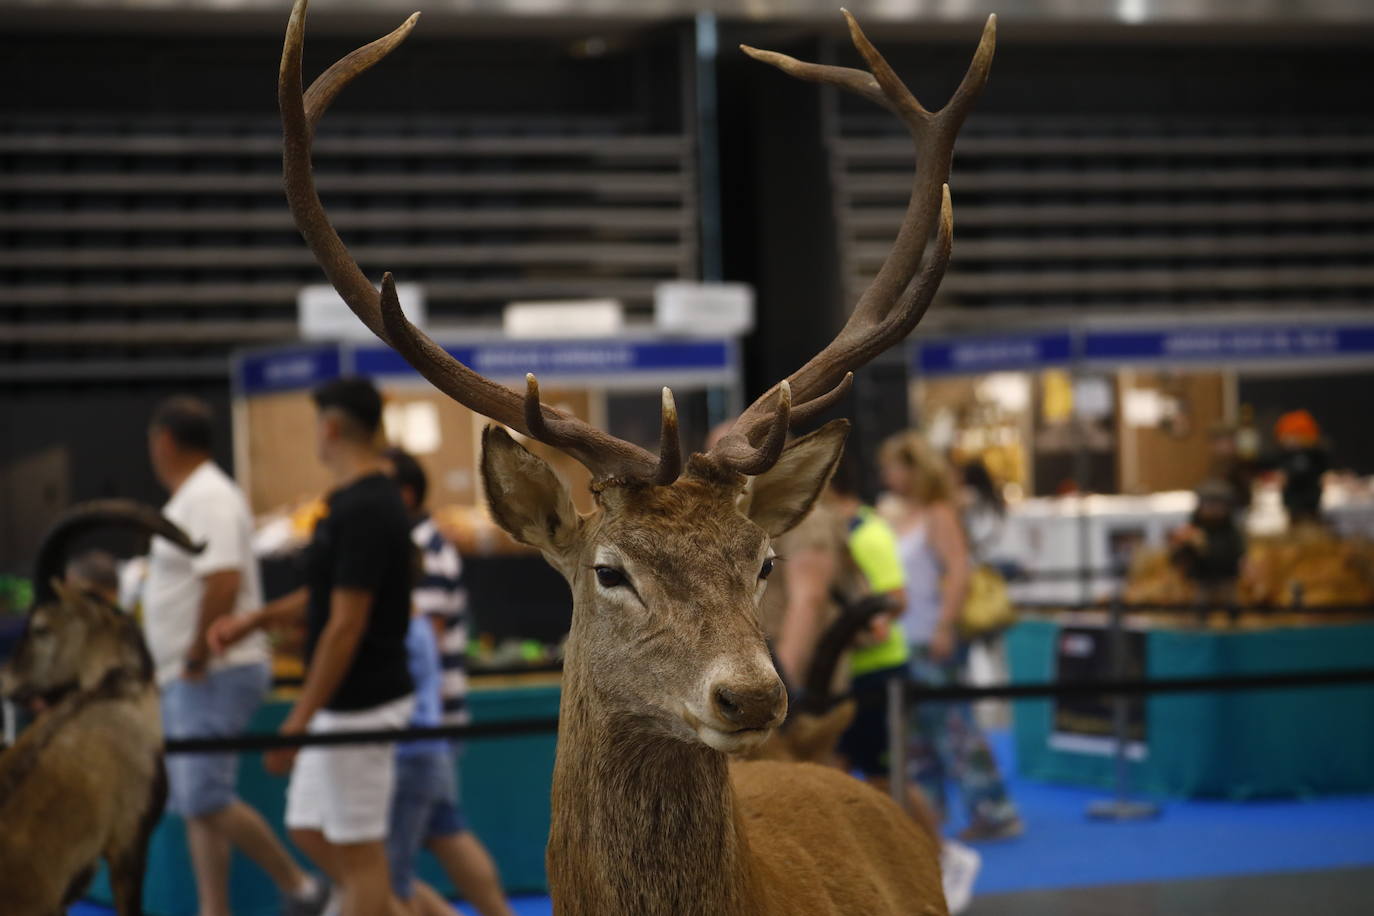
[[663, 828], [667, 671]]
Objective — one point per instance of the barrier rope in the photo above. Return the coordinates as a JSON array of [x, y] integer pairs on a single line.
[[917, 692], [1151, 607]]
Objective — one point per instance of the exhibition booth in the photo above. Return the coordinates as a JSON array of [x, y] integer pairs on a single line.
[[1099, 434]]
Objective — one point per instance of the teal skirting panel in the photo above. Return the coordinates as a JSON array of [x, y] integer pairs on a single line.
[[504, 783], [1261, 743]]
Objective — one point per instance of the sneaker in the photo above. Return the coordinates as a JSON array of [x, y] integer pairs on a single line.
[[314, 903], [959, 866], [982, 830]]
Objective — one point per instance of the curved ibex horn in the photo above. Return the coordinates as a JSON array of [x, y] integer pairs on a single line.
[[89, 516], [837, 638]]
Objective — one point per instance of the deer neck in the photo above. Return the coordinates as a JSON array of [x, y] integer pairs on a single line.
[[642, 823]]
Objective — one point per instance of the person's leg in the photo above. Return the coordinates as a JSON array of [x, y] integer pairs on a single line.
[[411, 805], [249, 832], [356, 787], [968, 756], [199, 785], [318, 850], [365, 879], [925, 764], [305, 803], [232, 695], [471, 869], [210, 857], [463, 857], [427, 902]]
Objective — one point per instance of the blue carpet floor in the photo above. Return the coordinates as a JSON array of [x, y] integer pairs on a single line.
[[1190, 839]]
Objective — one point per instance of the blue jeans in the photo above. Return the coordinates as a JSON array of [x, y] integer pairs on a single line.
[[219, 706], [425, 805], [946, 741]]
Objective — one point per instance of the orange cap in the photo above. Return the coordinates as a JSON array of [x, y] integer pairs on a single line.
[[1297, 424]]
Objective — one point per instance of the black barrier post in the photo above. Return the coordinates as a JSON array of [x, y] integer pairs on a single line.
[[1119, 807], [10, 730], [896, 739]]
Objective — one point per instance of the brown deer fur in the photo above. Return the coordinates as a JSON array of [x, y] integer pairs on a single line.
[[650, 818]]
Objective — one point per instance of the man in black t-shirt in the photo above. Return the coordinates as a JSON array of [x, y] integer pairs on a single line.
[[356, 607]]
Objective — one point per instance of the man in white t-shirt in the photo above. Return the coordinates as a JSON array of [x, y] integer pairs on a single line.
[[204, 697]]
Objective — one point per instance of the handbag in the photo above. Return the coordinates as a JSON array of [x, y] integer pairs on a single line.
[[987, 608]]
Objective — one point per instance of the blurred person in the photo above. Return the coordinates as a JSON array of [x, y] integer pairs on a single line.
[[95, 571], [1227, 463], [360, 566], [184, 596], [922, 509], [984, 510], [425, 810], [1208, 549], [1302, 459]]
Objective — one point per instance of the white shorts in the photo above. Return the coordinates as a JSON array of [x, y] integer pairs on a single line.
[[345, 791]]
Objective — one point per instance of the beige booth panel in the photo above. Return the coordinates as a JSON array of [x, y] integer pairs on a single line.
[[283, 469], [1174, 453]]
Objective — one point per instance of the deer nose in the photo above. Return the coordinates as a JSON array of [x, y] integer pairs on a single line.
[[749, 707]]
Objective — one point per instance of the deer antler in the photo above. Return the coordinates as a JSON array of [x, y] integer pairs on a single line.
[[603, 454], [893, 304]]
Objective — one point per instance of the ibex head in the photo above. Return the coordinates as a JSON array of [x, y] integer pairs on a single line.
[[668, 570], [75, 638]]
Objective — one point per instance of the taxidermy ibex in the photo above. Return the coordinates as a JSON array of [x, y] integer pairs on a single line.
[[85, 781], [666, 671], [816, 715]]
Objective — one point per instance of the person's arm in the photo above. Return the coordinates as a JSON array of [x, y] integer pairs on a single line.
[[229, 629], [808, 573], [880, 627], [219, 590], [875, 551], [349, 609], [947, 539]]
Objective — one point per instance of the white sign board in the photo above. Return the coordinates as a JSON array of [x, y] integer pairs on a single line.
[[323, 315], [557, 319], [704, 309]]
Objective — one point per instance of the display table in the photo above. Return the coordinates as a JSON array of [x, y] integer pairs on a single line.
[[505, 786], [1240, 745]]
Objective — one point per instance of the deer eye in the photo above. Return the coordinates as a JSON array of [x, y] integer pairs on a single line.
[[767, 569], [609, 576]]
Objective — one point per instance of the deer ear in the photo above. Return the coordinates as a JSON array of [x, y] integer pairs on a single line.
[[526, 497], [781, 497]]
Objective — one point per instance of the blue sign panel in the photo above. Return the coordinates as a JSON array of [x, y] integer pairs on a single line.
[[285, 370], [1229, 343], [510, 359], [1001, 353]]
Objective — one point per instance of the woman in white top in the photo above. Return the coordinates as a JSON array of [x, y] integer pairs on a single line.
[[922, 508]]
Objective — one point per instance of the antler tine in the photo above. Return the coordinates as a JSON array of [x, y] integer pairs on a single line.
[[897, 298], [669, 443], [813, 408], [603, 454], [299, 116], [738, 453]]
